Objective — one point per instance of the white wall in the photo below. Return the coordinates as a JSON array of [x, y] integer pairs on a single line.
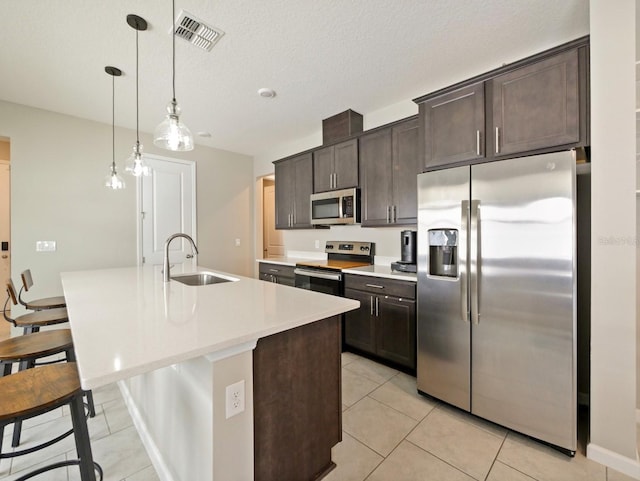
[[613, 292], [58, 165]]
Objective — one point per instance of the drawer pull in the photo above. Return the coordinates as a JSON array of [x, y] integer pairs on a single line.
[[375, 286], [274, 270]]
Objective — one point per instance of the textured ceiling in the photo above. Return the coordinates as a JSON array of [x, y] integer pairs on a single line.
[[320, 56]]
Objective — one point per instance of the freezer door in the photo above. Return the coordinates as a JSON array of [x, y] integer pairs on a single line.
[[523, 306], [443, 368]]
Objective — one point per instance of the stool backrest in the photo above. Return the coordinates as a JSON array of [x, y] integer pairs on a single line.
[[11, 292], [11, 296], [27, 280]]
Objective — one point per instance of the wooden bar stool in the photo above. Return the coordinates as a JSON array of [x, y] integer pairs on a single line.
[[25, 350], [30, 393], [38, 304], [33, 321]]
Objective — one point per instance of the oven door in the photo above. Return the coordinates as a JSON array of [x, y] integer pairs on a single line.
[[327, 282]]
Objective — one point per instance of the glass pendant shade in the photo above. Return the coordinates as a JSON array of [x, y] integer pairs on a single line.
[[171, 134], [135, 164], [113, 180]]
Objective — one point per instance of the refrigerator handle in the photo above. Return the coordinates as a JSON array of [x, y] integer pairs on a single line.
[[463, 255], [475, 261]]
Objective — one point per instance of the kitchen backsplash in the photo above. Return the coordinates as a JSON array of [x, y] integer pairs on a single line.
[[387, 239]]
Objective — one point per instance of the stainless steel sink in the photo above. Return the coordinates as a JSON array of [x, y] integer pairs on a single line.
[[202, 279]]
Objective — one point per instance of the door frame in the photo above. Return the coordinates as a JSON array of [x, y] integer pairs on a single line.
[[8, 164], [139, 213]]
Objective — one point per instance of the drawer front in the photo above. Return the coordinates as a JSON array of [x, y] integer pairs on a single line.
[[276, 269], [381, 285]]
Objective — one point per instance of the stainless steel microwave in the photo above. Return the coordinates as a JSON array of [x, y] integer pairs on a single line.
[[336, 207]]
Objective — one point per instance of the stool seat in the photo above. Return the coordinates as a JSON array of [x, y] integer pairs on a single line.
[[35, 345], [46, 303], [30, 392], [42, 318]]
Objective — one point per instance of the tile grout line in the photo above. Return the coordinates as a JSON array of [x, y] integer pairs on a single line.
[[496, 456]]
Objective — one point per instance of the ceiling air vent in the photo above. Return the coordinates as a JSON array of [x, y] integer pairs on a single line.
[[195, 31]]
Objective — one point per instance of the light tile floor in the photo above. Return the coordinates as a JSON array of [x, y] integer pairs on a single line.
[[390, 433]]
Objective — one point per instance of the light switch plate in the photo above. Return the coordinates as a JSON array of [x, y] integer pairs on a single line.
[[45, 246]]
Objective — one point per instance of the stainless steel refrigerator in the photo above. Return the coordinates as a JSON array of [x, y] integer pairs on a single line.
[[497, 293]]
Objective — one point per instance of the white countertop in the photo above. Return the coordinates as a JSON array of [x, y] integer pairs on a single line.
[[127, 321], [377, 270]]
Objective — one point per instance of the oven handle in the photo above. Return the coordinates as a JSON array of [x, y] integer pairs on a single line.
[[319, 275]]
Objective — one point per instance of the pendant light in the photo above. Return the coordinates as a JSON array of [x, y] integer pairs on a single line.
[[135, 163], [171, 134], [113, 180]]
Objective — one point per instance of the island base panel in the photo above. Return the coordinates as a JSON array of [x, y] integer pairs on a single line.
[[297, 402]]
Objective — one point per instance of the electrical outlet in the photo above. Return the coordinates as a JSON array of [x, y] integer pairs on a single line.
[[317, 244], [237, 242], [234, 395]]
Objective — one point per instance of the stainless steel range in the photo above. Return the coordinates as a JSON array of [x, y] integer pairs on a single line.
[[326, 275]]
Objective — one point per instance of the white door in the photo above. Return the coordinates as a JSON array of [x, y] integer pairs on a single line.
[[168, 201], [5, 220], [273, 243]]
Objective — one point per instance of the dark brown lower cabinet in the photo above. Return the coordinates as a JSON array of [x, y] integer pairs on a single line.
[[277, 273], [297, 402], [385, 324]]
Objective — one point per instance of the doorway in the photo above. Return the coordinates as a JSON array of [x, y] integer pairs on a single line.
[[272, 241], [167, 200]]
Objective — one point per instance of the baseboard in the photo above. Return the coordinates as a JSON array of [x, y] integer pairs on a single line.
[[152, 450], [628, 466]]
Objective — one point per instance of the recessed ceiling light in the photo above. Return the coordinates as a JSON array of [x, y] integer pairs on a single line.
[[267, 93], [203, 134]]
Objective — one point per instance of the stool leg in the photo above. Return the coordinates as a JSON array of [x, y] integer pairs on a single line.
[[83, 443], [92, 408]]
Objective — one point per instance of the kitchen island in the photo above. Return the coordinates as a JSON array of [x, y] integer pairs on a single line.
[[174, 349]]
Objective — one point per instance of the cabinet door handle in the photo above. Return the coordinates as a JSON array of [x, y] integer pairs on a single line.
[[371, 305], [497, 140], [377, 306], [478, 143], [375, 286], [388, 213], [395, 214]]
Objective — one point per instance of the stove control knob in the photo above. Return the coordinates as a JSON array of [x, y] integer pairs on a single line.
[[364, 248], [329, 246]]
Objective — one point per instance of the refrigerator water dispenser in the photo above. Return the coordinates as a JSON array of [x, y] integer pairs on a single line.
[[443, 252]]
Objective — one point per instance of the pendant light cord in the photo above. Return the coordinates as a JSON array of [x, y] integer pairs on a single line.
[[113, 123], [137, 101], [173, 38]]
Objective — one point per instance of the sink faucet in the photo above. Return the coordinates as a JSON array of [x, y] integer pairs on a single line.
[[194, 250]]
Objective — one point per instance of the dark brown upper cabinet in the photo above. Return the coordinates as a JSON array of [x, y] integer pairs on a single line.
[[294, 185], [537, 106], [389, 164], [336, 167], [452, 126]]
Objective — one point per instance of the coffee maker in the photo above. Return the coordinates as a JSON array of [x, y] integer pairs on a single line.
[[407, 262]]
